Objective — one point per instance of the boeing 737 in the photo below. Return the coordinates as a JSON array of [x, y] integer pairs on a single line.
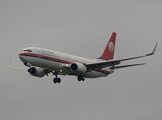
[[41, 62]]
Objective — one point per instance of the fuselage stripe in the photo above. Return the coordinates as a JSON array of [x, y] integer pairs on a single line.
[[45, 57]]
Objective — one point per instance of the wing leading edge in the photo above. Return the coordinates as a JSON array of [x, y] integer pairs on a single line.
[[112, 63]]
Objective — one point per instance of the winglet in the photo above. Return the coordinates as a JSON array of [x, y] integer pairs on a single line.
[[153, 50]]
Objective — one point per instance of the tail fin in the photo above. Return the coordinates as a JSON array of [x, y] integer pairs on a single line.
[[108, 53]]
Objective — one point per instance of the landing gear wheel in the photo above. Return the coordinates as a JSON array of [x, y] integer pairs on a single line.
[[57, 80], [81, 78]]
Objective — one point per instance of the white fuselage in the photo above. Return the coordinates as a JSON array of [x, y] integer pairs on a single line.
[[59, 62]]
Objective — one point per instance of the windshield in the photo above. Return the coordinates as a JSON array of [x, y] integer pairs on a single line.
[[27, 50]]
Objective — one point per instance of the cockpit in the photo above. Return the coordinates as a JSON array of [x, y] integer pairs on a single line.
[[27, 50]]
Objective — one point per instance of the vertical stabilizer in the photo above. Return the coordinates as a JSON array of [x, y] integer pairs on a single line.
[[108, 53]]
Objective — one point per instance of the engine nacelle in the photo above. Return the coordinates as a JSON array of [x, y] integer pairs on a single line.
[[38, 72], [78, 68]]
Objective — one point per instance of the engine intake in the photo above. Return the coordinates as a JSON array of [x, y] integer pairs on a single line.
[[78, 68], [38, 72]]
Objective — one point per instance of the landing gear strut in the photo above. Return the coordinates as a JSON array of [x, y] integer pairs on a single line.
[[56, 79], [81, 78]]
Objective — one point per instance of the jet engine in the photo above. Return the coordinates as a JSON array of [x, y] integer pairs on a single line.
[[78, 68], [38, 72]]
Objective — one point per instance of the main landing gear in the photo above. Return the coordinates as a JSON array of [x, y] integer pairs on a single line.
[[56, 79], [81, 78]]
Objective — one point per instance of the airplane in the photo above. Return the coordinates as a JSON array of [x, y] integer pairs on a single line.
[[41, 62]]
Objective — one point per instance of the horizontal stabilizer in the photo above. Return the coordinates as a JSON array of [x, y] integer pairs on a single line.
[[18, 68], [124, 66]]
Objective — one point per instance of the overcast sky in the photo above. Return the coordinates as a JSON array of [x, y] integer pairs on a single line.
[[82, 27]]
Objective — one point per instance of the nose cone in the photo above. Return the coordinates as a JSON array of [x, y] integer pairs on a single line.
[[21, 56]]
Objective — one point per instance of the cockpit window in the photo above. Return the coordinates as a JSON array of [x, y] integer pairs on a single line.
[[27, 50]]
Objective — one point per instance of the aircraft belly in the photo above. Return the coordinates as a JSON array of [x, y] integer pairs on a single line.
[[53, 65], [94, 74]]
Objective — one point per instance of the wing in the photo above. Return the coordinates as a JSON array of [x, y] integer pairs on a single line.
[[118, 61]]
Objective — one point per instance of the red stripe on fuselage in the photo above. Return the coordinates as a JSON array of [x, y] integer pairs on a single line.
[[45, 57]]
